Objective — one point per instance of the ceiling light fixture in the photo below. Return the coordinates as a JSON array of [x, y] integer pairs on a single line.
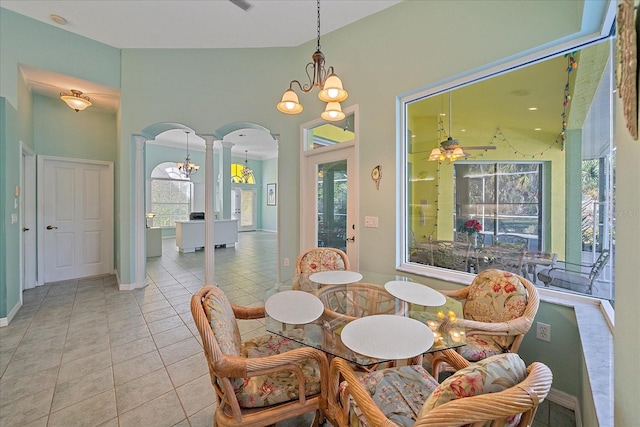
[[451, 149], [187, 168], [76, 101], [332, 91], [246, 171]]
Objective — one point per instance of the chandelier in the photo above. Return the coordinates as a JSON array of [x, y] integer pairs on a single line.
[[76, 101], [331, 90], [187, 168], [246, 171]]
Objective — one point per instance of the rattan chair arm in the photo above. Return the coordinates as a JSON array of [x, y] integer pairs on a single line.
[[458, 294], [517, 326], [248, 313], [338, 409], [521, 398]]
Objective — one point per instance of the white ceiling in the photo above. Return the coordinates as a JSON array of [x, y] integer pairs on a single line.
[[186, 24], [198, 23]]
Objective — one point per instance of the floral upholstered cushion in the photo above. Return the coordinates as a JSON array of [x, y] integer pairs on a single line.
[[280, 386], [494, 296], [398, 392], [222, 321], [491, 375], [262, 390], [480, 347], [321, 259]]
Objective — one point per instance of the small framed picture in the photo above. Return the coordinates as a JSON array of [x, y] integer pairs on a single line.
[[271, 194]]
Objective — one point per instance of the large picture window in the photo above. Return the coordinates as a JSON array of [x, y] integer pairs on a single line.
[[514, 171], [170, 195]]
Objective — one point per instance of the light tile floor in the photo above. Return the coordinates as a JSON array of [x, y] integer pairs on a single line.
[[81, 352]]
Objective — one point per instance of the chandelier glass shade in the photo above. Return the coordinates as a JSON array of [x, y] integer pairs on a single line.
[[76, 101], [330, 85], [187, 168]]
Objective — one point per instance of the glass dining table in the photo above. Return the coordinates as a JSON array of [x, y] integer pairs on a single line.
[[363, 317]]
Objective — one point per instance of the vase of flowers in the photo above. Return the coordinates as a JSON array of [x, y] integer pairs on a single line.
[[472, 228]]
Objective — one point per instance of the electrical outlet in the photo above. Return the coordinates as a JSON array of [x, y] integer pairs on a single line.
[[543, 332], [286, 262]]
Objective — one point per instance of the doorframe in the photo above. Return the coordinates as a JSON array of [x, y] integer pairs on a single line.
[[254, 190], [40, 212], [27, 215], [308, 211]]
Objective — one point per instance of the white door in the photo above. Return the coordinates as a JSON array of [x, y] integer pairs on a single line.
[[329, 201], [243, 208], [77, 218], [28, 209]]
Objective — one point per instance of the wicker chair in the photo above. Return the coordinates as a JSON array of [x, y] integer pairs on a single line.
[[322, 259], [295, 377], [499, 389], [498, 309]]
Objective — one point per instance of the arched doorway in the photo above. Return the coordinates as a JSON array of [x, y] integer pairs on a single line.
[[228, 141]]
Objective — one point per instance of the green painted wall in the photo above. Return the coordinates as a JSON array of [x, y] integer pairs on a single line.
[[222, 86], [269, 214], [61, 132], [3, 212]]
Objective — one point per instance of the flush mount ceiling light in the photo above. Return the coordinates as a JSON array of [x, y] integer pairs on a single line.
[[76, 101], [331, 89], [187, 168]]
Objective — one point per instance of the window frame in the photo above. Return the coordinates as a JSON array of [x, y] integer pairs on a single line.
[[189, 203], [403, 233]]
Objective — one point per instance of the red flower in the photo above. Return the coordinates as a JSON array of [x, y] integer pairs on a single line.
[[313, 266], [496, 287], [509, 287]]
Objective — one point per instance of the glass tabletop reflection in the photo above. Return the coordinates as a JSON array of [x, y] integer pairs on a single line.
[[345, 302]]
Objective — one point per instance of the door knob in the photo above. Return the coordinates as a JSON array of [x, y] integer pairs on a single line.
[[353, 239], [25, 229], [50, 227]]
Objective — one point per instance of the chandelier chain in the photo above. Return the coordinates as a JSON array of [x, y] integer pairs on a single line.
[[318, 25]]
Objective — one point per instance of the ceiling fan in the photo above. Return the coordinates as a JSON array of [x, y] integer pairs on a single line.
[[450, 149], [242, 4]]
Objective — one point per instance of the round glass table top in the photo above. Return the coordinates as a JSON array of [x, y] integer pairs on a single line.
[[335, 277], [415, 293], [294, 307], [387, 337]]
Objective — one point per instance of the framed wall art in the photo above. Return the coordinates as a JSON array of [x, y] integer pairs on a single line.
[[271, 194]]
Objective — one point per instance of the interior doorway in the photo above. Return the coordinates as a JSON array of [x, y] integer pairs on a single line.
[[244, 208], [27, 194]]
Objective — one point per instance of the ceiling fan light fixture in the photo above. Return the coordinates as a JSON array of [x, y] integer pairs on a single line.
[[435, 154], [290, 103], [458, 152], [333, 112], [76, 101]]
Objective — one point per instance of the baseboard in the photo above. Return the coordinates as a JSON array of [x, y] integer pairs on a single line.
[[567, 401], [4, 321]]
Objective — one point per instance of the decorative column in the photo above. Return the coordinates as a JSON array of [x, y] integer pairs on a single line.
[[225, 179], [209, 207], [138, 220]]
